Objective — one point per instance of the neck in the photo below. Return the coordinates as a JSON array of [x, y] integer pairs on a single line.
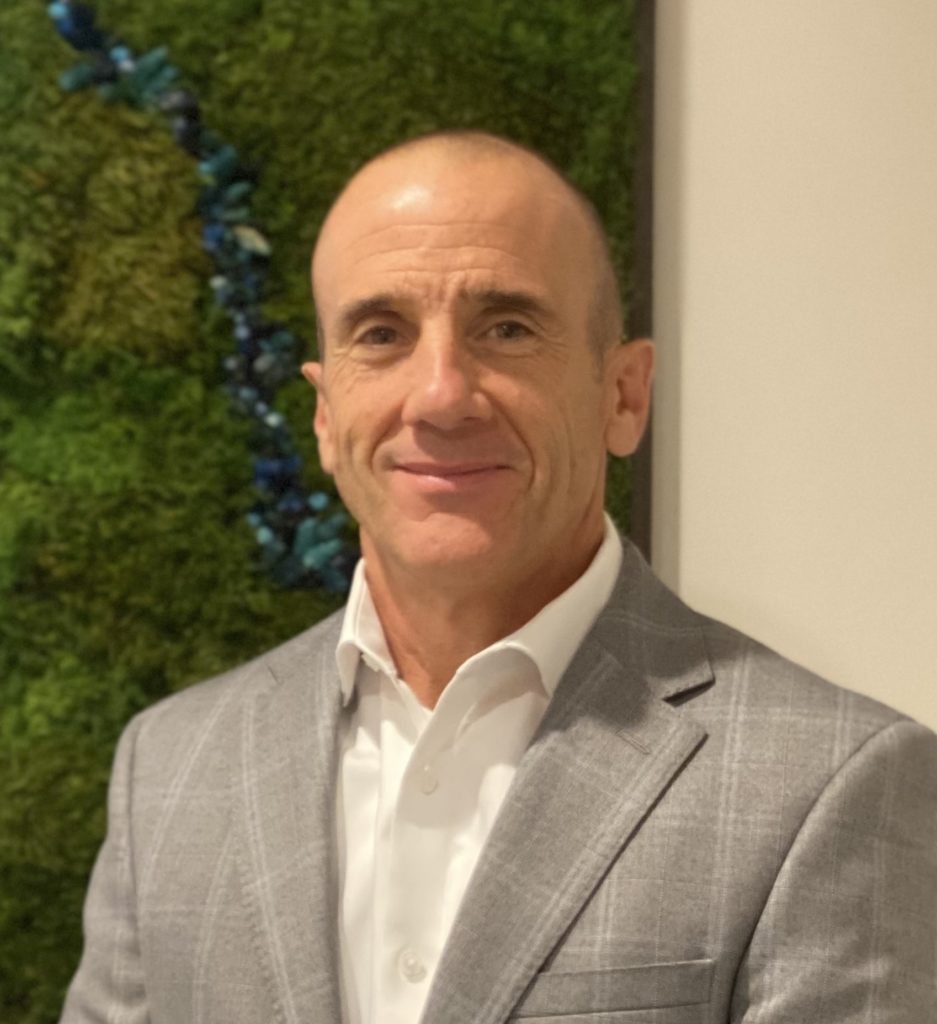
[[433, 625]]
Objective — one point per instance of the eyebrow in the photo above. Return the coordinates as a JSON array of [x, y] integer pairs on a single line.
[[522, 302], [356, 311]]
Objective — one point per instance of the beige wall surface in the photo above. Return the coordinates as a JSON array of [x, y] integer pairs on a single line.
[[795, 448]]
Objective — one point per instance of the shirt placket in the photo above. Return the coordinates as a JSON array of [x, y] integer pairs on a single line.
[[412, 871]]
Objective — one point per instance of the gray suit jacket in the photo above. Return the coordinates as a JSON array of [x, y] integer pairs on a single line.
[[699, 832]]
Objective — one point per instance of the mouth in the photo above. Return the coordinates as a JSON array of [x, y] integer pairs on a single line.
[[451, 477], [447, 469]]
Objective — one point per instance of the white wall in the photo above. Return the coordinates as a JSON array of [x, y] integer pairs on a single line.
[[795, 448]]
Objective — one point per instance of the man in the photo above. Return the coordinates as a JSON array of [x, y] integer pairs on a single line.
[[517, 778]]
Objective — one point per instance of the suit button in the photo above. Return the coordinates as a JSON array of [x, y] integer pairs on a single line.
[[428, 780], [411, 966]]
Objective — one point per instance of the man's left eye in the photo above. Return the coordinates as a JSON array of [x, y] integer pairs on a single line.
[[509, 330]]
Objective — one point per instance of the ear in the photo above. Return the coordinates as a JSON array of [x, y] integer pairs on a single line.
[[629, 371], [321, 422]]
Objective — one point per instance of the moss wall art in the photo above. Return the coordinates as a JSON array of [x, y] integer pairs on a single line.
[[128, 568]]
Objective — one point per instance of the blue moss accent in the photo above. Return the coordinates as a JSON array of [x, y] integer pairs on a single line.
[[301, 535]]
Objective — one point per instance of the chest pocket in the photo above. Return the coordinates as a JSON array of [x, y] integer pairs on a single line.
[[673, 993]]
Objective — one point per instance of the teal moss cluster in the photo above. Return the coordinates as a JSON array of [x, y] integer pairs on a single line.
[[126, 568]]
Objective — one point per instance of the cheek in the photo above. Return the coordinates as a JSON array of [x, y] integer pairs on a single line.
[[549, 434], [349, 442], [581, 435], [554, 423], [362, 417]]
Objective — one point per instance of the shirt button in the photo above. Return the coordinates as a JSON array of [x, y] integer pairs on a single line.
[[411, 966], [428, 780]]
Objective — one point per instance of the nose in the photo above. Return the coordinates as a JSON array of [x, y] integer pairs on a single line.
[[444, 387]]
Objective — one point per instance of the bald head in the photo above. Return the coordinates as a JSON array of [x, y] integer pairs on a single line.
[[424, 163]]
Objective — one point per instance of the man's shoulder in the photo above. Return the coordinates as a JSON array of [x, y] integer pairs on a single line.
[[770, 678], [769, 699], [729, 680], [177, 719], [766, 718]]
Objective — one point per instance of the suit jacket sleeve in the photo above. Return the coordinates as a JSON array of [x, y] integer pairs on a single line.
[[108, 985], [849, 931]]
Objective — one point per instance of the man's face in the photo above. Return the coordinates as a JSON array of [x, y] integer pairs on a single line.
[[461, 405]]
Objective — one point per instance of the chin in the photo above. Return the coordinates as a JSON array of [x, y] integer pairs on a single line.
[[446, 542]]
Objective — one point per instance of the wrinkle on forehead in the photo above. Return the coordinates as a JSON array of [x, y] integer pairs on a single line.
[[443, 265], [443, 250], [472, 288], [449, 221], [522, 246]]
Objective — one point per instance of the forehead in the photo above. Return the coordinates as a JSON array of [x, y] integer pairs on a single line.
[[434, 222]]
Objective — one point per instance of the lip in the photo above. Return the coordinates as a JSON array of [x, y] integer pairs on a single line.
[[444, 469], [449, 477]]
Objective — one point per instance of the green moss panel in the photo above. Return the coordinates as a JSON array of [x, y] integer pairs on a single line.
[[126, 569]]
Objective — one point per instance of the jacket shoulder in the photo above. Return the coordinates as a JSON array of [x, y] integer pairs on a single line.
[[740, 660], [175, 722], [721, 674], [781, 712]]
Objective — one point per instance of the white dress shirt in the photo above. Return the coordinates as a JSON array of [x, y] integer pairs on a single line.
[[419, 789]]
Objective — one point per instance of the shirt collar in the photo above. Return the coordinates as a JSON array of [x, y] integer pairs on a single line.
[[362, 636], [549, 639]]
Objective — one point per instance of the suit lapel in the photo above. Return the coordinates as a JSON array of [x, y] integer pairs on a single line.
[[607, 749], [285, 784]]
